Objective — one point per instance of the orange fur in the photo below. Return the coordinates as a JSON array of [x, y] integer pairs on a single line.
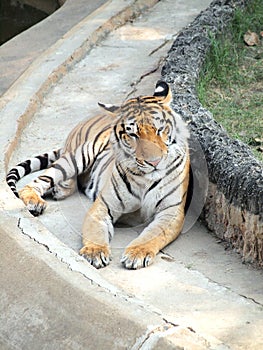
[[32, 199]]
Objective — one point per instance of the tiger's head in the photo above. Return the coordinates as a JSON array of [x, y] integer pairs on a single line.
[[147, 132]]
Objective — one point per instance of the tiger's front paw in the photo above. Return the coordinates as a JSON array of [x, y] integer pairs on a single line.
[[34, 203], [137, 257], [96, 254]]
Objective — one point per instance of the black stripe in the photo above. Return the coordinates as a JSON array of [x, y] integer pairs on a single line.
[[106, 205], [86, 159], [73, 160], [125, 180], [176, 204], [13, 187], [11, 177], [83, 159], [115, 133], [135, 182], [89, 186], [170, 192], [109, 213], [26, 165], [173, 167], [43, 161], [15, 192], [94, 193], [46, 178], [15, 172], [115, 187], [153, 185], [172, 205], [177, 174], [97, 120], [107, 163], [103, 147], [104, 166], [59, 167], [56, 154], [139, 173], [97, 137]]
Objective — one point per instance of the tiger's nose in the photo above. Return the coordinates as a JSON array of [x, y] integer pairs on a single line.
[[154, 162]]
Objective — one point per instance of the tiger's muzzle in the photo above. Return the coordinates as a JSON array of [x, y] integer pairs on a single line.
[[150, 150]]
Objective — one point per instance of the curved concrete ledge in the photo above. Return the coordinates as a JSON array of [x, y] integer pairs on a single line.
[[17, 54], [234, 206]]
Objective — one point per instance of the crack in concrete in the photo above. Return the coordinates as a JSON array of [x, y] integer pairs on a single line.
[[151, 337], [79, 265], [147, 340], [169, 257], [74, 264], [166, 41], [19, 225], [139, 80], [251, 299]]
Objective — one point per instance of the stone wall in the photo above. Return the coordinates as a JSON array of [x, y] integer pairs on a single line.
[[234, 205]]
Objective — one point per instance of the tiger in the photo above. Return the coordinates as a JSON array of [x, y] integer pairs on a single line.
[[130, 157]]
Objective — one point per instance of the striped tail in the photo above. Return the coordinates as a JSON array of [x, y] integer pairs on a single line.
[[40, 162]]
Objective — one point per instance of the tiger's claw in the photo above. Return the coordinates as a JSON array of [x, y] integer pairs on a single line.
[[97, 255], [135, 258]]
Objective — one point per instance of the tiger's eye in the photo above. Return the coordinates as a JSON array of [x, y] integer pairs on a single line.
[[135, 136]]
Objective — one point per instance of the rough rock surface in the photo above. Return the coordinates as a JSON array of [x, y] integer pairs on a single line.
[[234, 206]]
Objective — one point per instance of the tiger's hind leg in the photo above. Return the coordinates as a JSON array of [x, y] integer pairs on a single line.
[[54, 177], [64, 189], [32, 199]]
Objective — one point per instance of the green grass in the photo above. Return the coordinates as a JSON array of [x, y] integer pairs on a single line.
[[231, 83]]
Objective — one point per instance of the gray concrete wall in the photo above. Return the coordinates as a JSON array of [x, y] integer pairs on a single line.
[[47, 6]]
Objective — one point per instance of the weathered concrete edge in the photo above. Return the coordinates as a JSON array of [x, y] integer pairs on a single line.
[[27, 46], [234, 206], [138, 325], [153, 329]]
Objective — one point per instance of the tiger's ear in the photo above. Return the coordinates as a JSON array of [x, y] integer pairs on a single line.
[[110, 109], [162, 90]]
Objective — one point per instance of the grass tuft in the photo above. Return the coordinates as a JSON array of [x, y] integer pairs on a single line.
[[231, 83]]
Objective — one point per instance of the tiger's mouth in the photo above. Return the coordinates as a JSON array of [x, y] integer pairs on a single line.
[[148, 166]]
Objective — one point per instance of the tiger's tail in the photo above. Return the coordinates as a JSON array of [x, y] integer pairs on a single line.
[[40, 162]]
